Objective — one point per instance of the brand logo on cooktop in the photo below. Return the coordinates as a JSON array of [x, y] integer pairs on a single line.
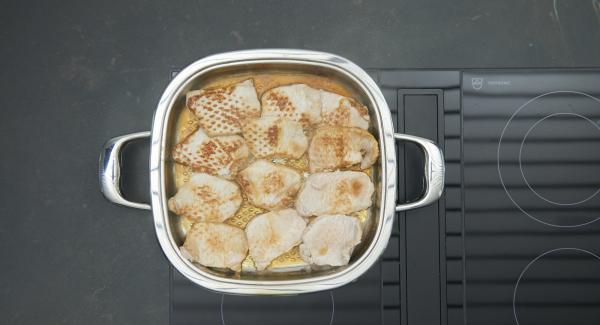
[[477, 83]]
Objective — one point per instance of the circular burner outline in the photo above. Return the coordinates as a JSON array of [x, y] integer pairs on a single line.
[[330, 320], [521, 166], [500, 145], [514, 302]]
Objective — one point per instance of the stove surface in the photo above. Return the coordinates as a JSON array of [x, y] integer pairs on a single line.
[[515, 238], [530, 193]]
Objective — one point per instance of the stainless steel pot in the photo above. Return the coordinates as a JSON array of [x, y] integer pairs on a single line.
[[384, 172]]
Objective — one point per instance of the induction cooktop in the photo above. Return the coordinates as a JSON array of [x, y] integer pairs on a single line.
[[515, 239]]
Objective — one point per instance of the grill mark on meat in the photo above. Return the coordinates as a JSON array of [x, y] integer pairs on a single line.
[[339, 116], [357, 187], [282, 102], [342, 195], [273, 135], [208, 149], [334, 143], [273, 182]]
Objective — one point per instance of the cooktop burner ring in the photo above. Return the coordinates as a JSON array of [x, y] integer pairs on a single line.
[[573, 249], [591, 196], [498, 160], [330, 319]]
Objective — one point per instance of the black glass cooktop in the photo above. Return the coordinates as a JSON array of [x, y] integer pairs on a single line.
[[515, 239], [531, 164]]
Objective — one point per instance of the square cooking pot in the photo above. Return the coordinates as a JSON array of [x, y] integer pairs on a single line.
[[293, 61]]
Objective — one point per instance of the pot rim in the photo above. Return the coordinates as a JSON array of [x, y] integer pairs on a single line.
[[387, 164]]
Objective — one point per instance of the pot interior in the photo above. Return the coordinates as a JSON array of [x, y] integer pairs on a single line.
[[181, 122]]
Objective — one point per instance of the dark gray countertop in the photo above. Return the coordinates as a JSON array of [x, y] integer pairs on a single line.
[[77, 73]]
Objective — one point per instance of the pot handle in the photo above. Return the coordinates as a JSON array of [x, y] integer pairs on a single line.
[[434, 171], [110, 170]]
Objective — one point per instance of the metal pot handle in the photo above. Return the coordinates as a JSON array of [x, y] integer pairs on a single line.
[[434, 172], [110, 170]]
